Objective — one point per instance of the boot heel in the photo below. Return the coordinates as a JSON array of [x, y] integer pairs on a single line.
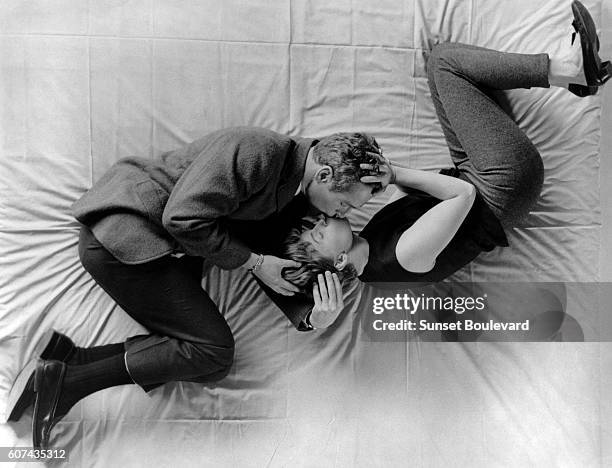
[[582, 91], [56, 346], [606, 71], [38, 376], [46, 343]]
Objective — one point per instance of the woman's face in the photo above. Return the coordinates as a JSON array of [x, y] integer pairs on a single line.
[[329, 237]]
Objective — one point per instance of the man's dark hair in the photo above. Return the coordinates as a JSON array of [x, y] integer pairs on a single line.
[[344, 152]]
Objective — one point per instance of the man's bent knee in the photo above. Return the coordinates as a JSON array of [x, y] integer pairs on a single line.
[[91, 252], [228, 361], [221, 356]]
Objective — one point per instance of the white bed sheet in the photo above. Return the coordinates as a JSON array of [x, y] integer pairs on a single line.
[[86, 83]]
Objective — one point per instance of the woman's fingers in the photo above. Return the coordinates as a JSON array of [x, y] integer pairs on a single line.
[[338, 288], [381, 169], [331, 289], [383, 166], [376, 171], [381, 174], [337, 282], [316, 295], [323, 290]]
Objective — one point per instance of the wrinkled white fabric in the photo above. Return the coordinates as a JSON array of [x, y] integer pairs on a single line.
[[83, 84]]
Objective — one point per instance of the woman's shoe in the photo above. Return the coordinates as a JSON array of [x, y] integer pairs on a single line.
[[48, 380], [596, 72], [53, 346]]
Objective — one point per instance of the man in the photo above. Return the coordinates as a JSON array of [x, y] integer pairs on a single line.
[[148, 226]]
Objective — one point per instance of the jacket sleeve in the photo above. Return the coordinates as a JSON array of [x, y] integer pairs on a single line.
[[215, 184]]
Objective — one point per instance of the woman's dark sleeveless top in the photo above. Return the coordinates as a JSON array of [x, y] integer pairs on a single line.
[[480, 231]]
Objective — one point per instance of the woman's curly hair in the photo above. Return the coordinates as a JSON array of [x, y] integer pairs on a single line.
[[312, 263]]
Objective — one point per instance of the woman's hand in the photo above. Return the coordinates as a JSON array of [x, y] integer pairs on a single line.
[[382, 173], [328, 300]]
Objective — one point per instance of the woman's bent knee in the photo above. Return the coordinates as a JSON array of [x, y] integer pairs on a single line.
[[531, 187], [439, 59], [516, 204], [439, 54]]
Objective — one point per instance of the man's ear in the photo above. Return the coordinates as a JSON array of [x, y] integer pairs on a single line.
[[324, 174], [341, 261]]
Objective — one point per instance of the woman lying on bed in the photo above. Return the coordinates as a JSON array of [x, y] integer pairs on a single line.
[[437, 223]]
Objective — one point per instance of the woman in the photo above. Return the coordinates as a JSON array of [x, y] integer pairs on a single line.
[[437, 223]]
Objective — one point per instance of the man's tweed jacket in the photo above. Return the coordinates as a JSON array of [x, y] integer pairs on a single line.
[[142, 209]]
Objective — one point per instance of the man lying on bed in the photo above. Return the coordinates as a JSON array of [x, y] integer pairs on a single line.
[[148, 226]]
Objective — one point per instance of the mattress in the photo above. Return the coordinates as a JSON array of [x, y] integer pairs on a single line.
[[84, 84]]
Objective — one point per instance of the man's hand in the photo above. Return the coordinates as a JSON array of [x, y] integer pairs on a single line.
[[328, 301], [382, 173], [270, 273]]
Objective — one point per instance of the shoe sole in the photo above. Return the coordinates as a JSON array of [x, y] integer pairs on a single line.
[[21, 394], [43, 443], [36, 443], [596, 71]]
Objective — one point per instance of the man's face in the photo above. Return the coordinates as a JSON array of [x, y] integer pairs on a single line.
[[337, 204]]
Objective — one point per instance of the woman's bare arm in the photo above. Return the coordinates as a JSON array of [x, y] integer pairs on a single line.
[[419, 246]]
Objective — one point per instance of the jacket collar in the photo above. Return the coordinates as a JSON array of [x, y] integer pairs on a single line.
[[293, 170]]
